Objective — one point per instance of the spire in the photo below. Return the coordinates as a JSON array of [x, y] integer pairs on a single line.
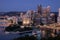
[[39, 8]]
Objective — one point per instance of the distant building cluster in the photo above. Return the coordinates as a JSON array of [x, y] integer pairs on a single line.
[[39, 17]]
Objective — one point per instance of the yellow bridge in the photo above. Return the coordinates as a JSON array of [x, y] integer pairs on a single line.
[[54, 28]]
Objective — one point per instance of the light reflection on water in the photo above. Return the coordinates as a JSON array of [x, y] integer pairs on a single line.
[[4, 36], [10, 36]]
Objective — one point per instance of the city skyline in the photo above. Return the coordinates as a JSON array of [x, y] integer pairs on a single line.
[[24, 5]]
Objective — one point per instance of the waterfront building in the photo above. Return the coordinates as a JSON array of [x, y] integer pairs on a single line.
[[52, 18], [44, 17], [30, 14], [37, 18], [13, 19], [19, 19], [25, 19], [3, 21]]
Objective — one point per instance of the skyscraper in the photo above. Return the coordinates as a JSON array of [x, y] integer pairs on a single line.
[[39, 9], [52, 18], [58, 19]]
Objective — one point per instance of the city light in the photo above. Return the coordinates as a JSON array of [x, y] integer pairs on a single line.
[[26, 21]]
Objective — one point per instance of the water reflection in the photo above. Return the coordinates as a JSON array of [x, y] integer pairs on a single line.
[[14, 35]]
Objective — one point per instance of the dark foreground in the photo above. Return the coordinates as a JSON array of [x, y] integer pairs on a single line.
[[16, 36], [34, 38]]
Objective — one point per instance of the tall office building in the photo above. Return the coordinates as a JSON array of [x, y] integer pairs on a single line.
[[59, 12], [52, 18], [28, 14], [39, 9], [48, 10], [44, 17], [58, 19], [37, 15], [20, 17]]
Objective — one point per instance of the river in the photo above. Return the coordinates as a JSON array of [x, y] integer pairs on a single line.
[[10, 36]]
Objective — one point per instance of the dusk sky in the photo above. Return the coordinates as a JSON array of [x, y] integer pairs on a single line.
[[24, 5]]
